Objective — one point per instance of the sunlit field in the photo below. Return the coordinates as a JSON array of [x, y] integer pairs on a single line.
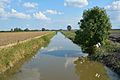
[[13, 37]]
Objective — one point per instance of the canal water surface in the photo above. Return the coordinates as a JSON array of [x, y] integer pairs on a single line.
[[60, 61]]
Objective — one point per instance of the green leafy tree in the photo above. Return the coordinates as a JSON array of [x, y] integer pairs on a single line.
[[69, 27], [43, 29], [94, 29]]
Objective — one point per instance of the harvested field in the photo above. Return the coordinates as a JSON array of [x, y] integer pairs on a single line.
[[13, 37]]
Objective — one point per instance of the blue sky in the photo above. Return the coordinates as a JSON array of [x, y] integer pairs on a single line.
[[52, 14]]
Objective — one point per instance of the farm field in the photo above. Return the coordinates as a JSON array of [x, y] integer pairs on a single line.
[[114, 35], [13, 37]]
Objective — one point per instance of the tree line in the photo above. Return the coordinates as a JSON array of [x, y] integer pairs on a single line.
[[26, 29]]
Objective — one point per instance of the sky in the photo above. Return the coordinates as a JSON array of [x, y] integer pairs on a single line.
[[52, 14]]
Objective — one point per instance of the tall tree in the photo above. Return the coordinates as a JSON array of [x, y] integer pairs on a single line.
[[69, 27], [94, 29], [43, 29]]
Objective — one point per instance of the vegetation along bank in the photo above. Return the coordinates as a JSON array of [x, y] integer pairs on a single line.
[[10, 56], [96, 38], [108, 54]]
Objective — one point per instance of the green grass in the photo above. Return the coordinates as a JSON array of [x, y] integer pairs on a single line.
[[12, 55], [115, 30], [69, 34]]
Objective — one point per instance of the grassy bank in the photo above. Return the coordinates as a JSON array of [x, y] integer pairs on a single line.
[[69, 34], [11, 56], [108, 54]]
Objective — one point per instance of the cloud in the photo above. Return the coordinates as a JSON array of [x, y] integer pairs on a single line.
[[113, 11], [30, 5], [114, 6], [15, 14], [20, 15], [2, 10], [50, 11], [3, 4], [76, 3], [4, 14], [40, 16]]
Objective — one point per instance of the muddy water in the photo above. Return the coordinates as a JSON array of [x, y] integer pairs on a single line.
[[60, 61]]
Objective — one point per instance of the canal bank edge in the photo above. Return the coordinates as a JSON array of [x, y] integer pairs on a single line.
[[10, 56], [109, 57]]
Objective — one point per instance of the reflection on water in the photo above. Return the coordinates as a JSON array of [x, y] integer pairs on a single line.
[[28, 74], [90, 70], [59, 61], [63, 53]]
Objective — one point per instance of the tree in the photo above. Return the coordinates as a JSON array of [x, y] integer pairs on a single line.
[[26, 29], [17, 29], [69, 28], [94, 29], [43, 29], [11, 30]]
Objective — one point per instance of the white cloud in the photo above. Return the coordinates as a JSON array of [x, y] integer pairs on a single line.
[[76, 3], [114, 12], [20, 15], [30, 5], [15, 14], [2, 10], [40, 16], [50, 11], [13, 11], [3, 4], [114, 6]]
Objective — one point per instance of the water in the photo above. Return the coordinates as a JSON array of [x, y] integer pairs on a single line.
[[60, 61]]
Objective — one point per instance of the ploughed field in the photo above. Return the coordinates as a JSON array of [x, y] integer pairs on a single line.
[[115, 36], [13, 37]]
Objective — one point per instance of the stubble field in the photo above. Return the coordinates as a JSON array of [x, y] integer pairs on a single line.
[[13, 37]]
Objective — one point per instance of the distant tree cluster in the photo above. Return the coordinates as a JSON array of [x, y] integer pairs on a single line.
[[27, 29], [19, 30]]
